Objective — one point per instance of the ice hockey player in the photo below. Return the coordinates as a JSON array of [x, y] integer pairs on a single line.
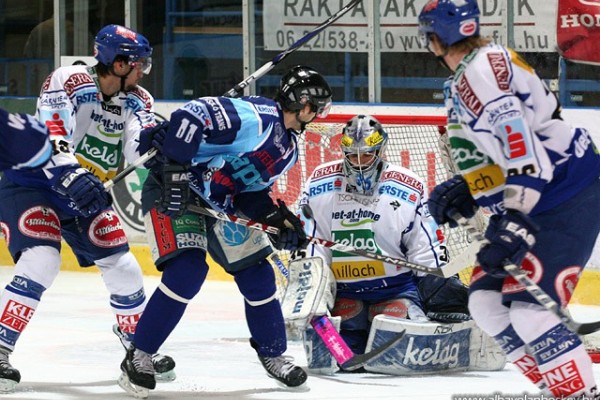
[[24, 142], [538, 176], [232, 150], [368, 203], [94, 116]]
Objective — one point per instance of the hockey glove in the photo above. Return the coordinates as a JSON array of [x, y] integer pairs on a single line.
[[513, 238], [291, 236], [175, 190], [84, 189], [153, 137], [449, 197]]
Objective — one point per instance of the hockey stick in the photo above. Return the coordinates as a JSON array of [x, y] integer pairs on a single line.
[[237, 89], [130, 168], [534, 290], [445, 271], [338, 348]]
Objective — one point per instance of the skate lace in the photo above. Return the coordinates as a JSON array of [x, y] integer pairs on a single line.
[[280, 366], [143, 362], [4, 358]]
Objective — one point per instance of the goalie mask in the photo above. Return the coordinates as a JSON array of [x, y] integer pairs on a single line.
[[363, 144]]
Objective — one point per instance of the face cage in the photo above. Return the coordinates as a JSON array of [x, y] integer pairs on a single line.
[[364, 178]]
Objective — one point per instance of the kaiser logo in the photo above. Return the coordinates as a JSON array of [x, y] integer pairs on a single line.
[[106, 230]]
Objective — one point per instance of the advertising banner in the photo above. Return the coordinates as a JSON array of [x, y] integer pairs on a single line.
[[578, 30], [286, 21]]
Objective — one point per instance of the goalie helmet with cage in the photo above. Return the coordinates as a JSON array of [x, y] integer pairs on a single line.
[[363, 144], [302, 85], [115, 40], [450, 20]]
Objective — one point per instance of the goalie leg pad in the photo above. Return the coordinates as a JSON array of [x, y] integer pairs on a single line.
[[429, 347], [318, 357]]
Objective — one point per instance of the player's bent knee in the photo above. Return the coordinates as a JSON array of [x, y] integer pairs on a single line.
[[184, 275], [39, 264], [488, 311], [121, 273]]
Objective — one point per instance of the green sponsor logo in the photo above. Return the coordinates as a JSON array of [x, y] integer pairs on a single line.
[[466, 155], [362, 239], [106, 155]]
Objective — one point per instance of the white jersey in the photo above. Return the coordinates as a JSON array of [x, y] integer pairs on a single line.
[[98, 132], [507, 136], [394, 222]]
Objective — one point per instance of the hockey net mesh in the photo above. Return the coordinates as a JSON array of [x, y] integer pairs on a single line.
[[413, 143]]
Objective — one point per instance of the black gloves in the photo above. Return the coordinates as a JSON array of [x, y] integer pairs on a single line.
[[175, 190], [291, 236]]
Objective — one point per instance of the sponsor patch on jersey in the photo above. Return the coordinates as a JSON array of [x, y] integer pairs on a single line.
[[500, 69], [55, 121], [199, 111], [105, 156], [142, 95], [266, 109], [515, 140], [466, 155], [356, 217], [16, 315], [325, 187], [54, 100], [484, 180], [111, 108], [358, 238], [397, 191], [403, 179], [394, 308], [468, 96], [106, 230], [40, 222], [347, 308], [327, 170], [218, 113], [76, 80], [565, 283]]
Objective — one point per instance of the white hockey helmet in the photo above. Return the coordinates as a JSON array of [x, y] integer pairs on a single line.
[[363, 143]]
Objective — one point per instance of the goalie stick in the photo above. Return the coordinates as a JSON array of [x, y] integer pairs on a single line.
[[445, 271], [344, 356], [581, 328], [236, 91]]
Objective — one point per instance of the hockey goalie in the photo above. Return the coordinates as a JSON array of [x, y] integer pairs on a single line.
[[367, 203]]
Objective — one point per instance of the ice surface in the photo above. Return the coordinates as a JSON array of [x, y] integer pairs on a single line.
[[68, 351]]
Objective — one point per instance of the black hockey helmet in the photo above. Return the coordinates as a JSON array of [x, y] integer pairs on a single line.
[[303, 85]]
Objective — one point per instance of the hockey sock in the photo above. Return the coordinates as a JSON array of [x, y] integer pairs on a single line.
[[181, 281], [263, 311], [17, 305]]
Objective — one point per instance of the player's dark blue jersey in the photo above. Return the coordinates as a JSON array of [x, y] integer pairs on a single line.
[[24, 142], [233, 145]]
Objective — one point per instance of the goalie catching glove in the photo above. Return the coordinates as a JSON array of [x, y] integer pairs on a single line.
[[84, 189], [291, 236], [175, 190]]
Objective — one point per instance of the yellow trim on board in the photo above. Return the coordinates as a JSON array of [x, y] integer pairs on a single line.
[[586, 292]]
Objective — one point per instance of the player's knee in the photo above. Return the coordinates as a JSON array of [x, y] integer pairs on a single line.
[[488, 311], [39, 264], [530, 320], [184, 275], [257, 283], [121, 273]]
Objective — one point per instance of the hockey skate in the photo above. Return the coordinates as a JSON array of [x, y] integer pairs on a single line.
[[164, 366], [9, 376], [137, 378], [282, 369]]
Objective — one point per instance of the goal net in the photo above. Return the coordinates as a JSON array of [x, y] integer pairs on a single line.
[[413, 143]]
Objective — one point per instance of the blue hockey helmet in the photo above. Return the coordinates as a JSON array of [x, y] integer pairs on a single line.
[[451, 21], [116, 40]]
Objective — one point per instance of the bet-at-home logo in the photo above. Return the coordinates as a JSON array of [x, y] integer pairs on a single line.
[[127, 196]]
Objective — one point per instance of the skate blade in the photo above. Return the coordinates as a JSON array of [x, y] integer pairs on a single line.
[[7, 385], [168, 376], [300, 389], [136, 391]]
